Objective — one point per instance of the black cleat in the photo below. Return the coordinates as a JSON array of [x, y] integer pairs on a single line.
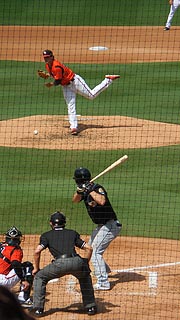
[[37, 312], [91, 311]]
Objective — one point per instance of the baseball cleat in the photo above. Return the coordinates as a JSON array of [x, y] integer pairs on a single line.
[[91, 311], [37, 312], [166, 29], [112, 76], [74, 132], [26, 303], [102, 286]]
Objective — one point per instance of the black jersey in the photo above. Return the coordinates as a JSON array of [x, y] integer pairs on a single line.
[[98, 213], [61, 241]]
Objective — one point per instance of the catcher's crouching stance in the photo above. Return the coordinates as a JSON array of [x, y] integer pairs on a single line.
[[12, 270]]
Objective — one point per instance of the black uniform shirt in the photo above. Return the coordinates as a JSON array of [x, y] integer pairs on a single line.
[[98, 213], [61, 241]]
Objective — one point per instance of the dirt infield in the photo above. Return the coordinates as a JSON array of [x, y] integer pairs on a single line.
[[136, 292], [144, 281]]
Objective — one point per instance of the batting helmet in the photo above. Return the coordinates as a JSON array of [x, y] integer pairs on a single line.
[[13, 236], [47, 53], [58, 219], [81, 175]]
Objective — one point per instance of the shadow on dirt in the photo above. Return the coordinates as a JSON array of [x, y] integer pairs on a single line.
[[76, 308], [83, 127], [126, 277]]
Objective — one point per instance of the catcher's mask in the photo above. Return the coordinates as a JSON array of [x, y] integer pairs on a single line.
[[13, 236], [82, 175], [47, 54], [58, 219]]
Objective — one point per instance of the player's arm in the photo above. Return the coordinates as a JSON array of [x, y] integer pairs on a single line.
[[37, 258], [77, 197], [87, 251], [99, 198], [17, 266]]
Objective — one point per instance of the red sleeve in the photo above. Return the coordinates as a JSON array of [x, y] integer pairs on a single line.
[[17, 255]]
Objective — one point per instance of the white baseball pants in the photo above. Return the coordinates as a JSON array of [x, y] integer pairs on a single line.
[[10, 280], [79, 86], [173, 8]]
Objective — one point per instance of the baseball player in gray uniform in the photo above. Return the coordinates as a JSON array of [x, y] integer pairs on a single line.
[[102, 214], [174, 6]]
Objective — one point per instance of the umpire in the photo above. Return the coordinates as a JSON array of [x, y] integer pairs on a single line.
[[61, 243]]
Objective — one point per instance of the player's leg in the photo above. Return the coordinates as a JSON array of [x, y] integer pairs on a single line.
[[100, 242], [171, 15], [10, 280], [70, 98], [83, 89]]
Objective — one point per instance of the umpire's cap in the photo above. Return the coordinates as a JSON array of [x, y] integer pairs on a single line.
[[47, 53], [58, 219]]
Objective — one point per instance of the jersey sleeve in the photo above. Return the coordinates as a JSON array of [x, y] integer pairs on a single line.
[[17, 255], [43, 241]]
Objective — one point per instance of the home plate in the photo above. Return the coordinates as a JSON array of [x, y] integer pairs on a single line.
[[98, 48]]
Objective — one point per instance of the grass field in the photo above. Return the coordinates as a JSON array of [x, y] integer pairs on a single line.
[[34, 183], [90, 13]]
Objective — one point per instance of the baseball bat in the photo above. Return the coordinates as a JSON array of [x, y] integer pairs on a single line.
[[112, 166]]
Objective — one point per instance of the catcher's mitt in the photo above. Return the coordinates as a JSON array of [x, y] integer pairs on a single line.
[[42, 74]]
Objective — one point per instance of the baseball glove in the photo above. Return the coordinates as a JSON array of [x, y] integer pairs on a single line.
[[43, 74]]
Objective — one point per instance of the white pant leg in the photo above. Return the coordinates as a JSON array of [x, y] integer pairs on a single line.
[[70, 98], [81, 87], [10, 280], [173, 9], [100, 240]]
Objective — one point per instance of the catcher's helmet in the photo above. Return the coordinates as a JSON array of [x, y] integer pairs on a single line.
[[81, 175], [58, 219], [47, 53], [13, 236]]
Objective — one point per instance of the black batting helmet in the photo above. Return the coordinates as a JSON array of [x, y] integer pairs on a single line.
[[13, 236], [58, 219], [81, 175], [47, 53]]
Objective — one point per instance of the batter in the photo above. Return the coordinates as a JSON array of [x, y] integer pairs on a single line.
[[102, 214]]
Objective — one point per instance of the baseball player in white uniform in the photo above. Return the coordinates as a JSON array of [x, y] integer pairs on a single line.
[[72, 84], [174, 6]]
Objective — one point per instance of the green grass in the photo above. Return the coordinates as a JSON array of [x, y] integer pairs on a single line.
[[35, 183], [143, 91], [85, 12], [144, 191]]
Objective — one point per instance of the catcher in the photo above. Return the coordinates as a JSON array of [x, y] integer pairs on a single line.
[[72, 84], [12, 270]]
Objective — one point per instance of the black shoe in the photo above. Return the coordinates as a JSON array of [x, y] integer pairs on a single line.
[[38, 312], [166, 29], [91, 311]]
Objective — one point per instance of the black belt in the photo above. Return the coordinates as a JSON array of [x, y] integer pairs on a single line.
[[64, 256], [117, 223], [70, 81]]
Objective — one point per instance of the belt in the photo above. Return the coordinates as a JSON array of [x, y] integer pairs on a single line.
[[118, 224], [70, 81], [64, 256]]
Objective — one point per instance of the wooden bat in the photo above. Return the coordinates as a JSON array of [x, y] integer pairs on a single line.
[[112, 166]]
